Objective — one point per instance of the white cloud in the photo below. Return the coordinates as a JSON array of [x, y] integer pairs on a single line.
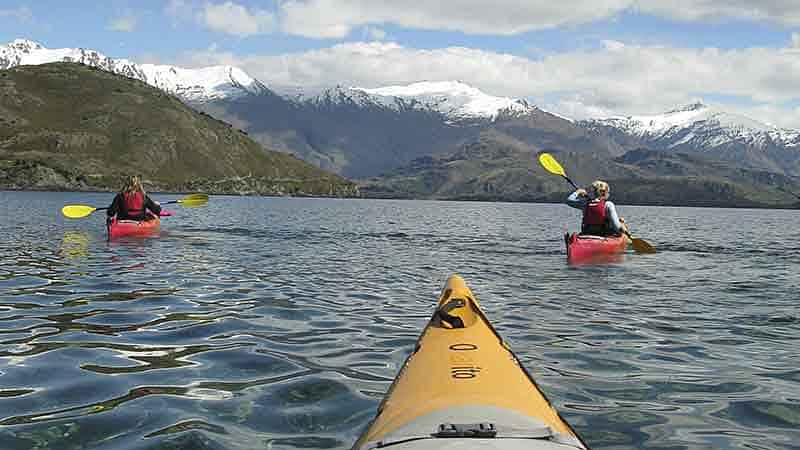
[[232, 18], [23, 13], [617, 79], [336, 18], [125, 24], [786, 12]]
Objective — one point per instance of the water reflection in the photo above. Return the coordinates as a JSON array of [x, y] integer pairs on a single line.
[[75, 244]]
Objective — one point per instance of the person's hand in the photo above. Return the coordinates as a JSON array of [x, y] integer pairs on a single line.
[[582, 193], [157, 203]]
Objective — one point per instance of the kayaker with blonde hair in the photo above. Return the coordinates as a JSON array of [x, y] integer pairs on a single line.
[[599, 214], [132, 203]]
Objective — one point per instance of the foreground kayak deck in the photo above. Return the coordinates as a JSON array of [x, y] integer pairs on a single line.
[[464, 388], [121, 228], [595, 249]]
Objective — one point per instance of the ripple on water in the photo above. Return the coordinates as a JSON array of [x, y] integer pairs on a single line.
[[280, 323], [754, 414]]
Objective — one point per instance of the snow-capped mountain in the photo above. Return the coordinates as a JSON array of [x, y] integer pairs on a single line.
[[698, 128], [192, 85], [203, 84], [701, 126], [453, 99], [333, 96], [360, 134]]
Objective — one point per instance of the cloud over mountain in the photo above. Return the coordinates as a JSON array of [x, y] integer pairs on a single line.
[[326, 19], [236, 19], [615, 79]]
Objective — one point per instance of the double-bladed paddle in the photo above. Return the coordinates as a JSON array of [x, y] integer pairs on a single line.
[[79, 211], [551, 165]]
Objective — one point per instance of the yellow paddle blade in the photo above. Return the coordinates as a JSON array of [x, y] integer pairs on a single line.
[[551, 165], [77, 211], [194, 200], [642, 246]]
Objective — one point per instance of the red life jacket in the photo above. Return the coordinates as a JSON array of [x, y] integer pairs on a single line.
[[133, 204], [594, 218]]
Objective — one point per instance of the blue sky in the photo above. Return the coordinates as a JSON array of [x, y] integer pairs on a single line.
[[579, 58]]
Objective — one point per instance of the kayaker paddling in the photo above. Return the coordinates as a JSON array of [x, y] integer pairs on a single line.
[[580, 199], [132, 203], [600, 216]]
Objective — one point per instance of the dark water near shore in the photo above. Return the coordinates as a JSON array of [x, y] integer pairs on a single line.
[[280, 323]]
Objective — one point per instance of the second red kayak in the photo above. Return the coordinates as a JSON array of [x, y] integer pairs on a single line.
[[582, 248], [121, 228]]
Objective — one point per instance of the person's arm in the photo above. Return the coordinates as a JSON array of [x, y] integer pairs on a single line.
[[155, 207], [578, 199], [614, 221], [114, 208]]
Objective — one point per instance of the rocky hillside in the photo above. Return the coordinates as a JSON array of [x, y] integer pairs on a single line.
[[70, 126], [501, 168], [362, 135]]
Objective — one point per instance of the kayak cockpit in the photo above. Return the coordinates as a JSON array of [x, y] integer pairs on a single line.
[[479, 426]]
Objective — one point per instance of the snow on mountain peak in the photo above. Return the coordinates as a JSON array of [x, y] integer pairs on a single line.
[[203, 84], [701, 125], [197, 85], [453, 98], [427, 87], [693, 115], [25, 45]]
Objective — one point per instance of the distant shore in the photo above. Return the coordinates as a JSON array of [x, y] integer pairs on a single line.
[[493, 199]]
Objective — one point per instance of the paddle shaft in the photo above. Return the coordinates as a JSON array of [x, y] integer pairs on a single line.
[[165, 203], [570, 182]]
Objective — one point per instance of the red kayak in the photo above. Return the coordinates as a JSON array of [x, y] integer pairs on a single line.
[[584, 248], [120, 228]]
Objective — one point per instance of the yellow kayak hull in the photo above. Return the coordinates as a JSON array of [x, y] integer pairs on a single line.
[[462, 387]]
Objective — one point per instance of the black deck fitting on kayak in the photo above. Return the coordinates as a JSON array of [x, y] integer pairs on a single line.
[[453, 321], [466, 430]]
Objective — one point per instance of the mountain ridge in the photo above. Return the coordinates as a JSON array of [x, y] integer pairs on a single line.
[[502, 169], [701, 129], [364, 133], [72, 126], [193, 85]]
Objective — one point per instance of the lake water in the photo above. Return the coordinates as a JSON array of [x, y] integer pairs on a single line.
[[280, 323]]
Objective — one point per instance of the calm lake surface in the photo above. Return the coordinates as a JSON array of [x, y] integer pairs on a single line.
[[280, 323]]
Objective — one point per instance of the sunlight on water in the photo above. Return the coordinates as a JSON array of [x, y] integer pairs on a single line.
[[280, 323]]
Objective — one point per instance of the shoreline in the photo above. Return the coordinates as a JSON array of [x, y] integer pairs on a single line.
[[379, 197]]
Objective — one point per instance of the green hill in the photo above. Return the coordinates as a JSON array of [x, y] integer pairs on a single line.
[[72, 127]]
